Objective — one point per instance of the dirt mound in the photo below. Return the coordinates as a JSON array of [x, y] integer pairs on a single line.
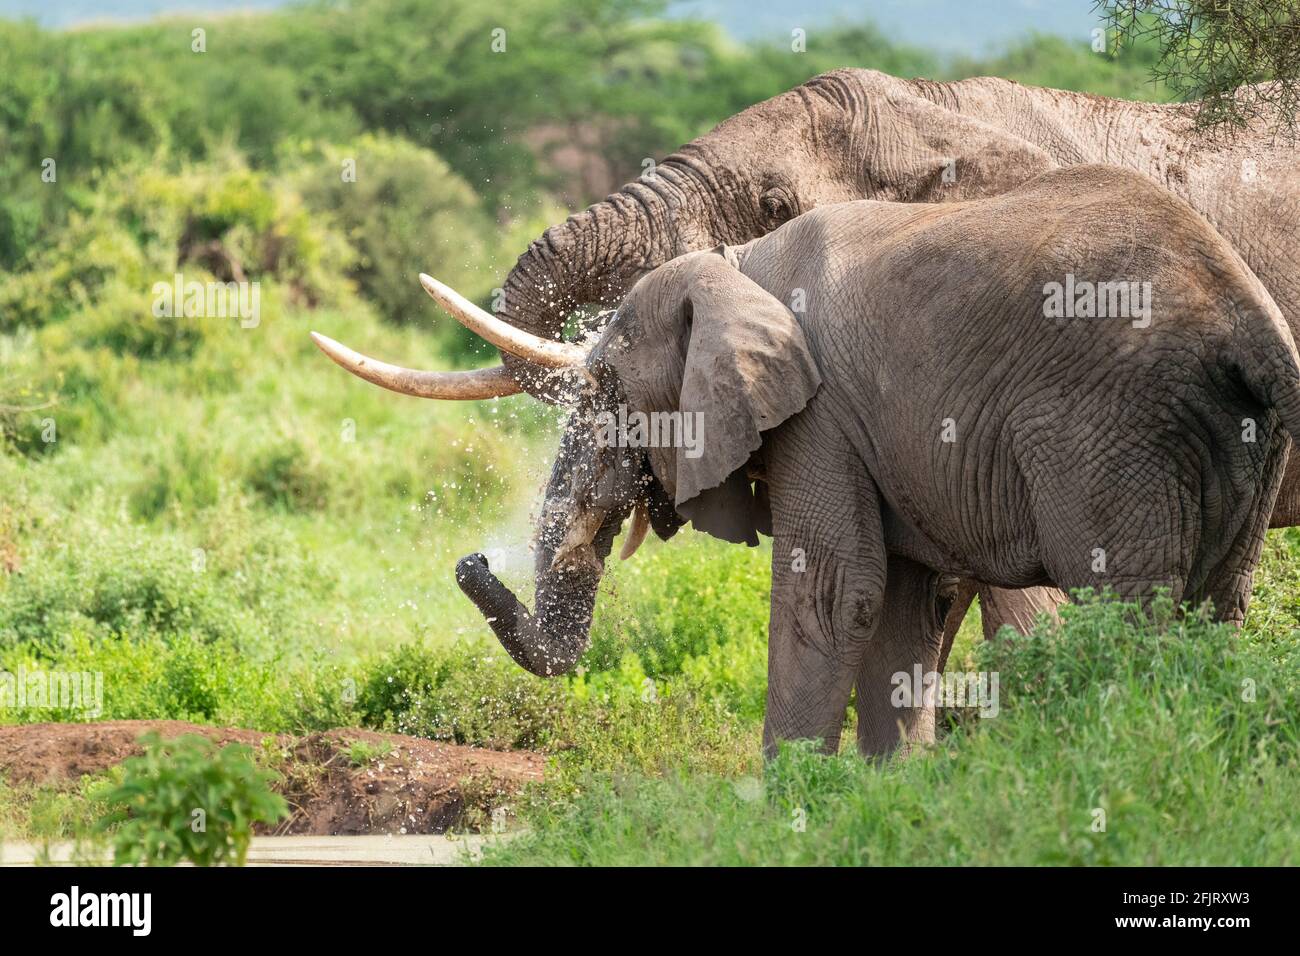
[[417, 786], [337, 782], [58, 753]]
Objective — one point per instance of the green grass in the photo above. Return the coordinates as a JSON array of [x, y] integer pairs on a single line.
[[361, 753], [1122, 740], [48, 812]]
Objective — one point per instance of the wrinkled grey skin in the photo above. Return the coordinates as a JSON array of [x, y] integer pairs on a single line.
[[854, 134], [825, 429]]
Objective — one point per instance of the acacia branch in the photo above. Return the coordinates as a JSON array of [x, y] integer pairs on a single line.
[[1239, 59]]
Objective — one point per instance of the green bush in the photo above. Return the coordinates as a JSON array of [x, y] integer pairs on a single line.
[[238, 223], [285, 474], [184, 677], [122, 320], [185, 800], [462, 693], [67, 272], [677, 600], [54, 399], [121, 584], [405, 212], [219, 582], [1124, 737], [215, 221]]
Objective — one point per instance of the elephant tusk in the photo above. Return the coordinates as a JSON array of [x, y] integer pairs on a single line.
[[502, 334], [637, 533], [455, 386]]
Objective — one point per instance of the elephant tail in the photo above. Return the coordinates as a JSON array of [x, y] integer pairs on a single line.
[[1262, 353]]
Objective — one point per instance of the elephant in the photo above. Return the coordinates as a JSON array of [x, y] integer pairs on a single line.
[[895, 394], [861, 134]]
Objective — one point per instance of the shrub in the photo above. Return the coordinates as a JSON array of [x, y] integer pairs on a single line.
[[215, 582], [285, 474], [463, 693], [238, 224], [678, 600], [121, 320], [1176, 735], [68, 272], [186, 678], [121, 583], [185, 800], [55, 393], [219, 220], [405, 212]]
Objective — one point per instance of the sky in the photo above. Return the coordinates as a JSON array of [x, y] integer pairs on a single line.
[[948, 26]]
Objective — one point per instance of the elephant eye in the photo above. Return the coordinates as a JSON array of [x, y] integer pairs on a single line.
[[776, 206]]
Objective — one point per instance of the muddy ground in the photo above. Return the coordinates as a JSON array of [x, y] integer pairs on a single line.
[[403, 784]]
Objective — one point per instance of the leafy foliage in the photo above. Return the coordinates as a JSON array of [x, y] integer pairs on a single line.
[[1123, 737], [185, 800], [404, 211], [1211, 51]]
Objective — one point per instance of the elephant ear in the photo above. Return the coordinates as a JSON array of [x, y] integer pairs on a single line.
[[733, 360], [945, 156]]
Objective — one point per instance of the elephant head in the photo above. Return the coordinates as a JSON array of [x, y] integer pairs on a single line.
[[674, 398], [695, 365], [849, 134]]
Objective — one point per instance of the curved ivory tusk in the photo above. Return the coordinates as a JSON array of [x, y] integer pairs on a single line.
[[636, 534], [459, 386], [502, 334]]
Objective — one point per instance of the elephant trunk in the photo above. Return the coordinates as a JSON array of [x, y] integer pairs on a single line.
[[592, 258], [549, 642]]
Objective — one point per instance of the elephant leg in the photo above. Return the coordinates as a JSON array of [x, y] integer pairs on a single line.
[[1286, 507], [1229, 584], [1017, 608], [1228, 590], [999, 607], [966, 591], [908, 644], [828, 580], [1228, 587]]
